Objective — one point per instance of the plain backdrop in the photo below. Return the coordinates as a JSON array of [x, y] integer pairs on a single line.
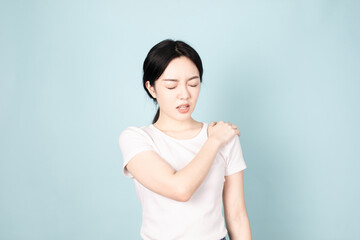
[[286, 72]]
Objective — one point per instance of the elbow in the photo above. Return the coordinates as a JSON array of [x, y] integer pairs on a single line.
[[181, 191], [183, 198], [183, 194], [239, 217]]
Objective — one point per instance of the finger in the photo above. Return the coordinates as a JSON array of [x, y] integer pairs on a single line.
[[234, 126]]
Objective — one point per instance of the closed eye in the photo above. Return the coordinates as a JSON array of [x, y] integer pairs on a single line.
[[189, 85]]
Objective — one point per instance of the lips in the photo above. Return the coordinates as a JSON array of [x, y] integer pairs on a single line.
[[183, 105], [183, 108]]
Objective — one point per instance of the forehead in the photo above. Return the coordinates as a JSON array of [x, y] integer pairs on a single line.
[[180, 68]]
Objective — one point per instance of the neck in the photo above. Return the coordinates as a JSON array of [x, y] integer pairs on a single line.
[[169, 124]]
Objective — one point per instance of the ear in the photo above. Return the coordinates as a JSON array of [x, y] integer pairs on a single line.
[[151, 89]]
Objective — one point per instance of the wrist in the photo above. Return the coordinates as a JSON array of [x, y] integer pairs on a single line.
[[214, 142]]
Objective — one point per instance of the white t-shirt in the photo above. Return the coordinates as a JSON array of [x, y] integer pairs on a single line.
[[201, 217]]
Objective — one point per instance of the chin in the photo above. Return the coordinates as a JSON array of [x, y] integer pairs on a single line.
[[185, 117]]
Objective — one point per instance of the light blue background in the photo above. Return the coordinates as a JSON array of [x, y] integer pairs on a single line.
[[286, 72]]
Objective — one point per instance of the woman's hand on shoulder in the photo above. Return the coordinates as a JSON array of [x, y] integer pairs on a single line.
[[222, 131]]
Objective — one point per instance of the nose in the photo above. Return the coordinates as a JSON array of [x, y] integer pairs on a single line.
[[184, 92]]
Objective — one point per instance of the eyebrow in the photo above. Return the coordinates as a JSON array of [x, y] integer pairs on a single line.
[[175, 80]]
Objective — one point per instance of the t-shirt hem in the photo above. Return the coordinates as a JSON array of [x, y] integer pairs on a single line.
[[125, 171], [235, 171]]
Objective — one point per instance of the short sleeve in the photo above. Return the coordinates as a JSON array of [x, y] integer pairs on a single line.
[[132, 141], [234, 157]]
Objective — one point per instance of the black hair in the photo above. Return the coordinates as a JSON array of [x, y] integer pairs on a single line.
[[160, 56]]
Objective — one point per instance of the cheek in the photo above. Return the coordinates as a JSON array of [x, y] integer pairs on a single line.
[[166, 98], [168, 95], [195, 92]]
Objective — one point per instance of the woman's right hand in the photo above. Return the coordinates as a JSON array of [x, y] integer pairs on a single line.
[[222, 131]]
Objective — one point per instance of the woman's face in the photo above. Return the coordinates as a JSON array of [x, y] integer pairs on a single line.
[[177, 89]]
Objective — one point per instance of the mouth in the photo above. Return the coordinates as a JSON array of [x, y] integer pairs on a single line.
[[183, 106]]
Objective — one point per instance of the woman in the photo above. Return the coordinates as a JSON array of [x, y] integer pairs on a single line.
[[184, 170]]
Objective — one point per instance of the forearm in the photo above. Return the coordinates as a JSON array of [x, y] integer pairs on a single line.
[[239, 228], [191, 176]]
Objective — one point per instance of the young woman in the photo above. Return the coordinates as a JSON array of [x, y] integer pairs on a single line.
[[184, 170]]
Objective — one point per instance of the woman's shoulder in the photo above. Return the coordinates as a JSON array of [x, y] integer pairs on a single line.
[[134, 131], [133, 128], [232, 145]]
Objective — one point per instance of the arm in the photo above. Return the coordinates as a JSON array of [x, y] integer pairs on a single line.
[[157, 175], [237, 221]]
